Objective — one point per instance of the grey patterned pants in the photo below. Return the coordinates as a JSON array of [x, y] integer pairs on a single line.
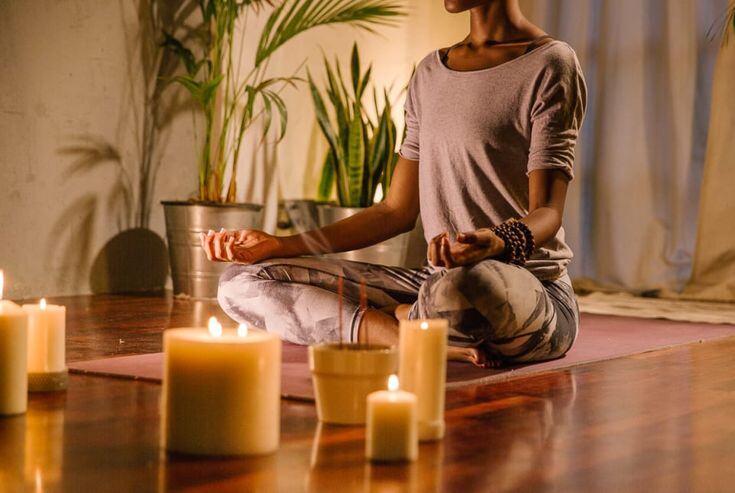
[[501, 308]]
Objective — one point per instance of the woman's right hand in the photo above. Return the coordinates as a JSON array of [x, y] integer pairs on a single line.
[[439, 253], [247, 246]]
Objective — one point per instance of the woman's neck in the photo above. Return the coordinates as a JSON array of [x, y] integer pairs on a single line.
[[499, 20]]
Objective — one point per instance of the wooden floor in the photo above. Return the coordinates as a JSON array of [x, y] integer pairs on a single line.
[[661, 421]]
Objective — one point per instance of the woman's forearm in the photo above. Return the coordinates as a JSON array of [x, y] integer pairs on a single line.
[[544, 223], [368, 227], [547, 193]]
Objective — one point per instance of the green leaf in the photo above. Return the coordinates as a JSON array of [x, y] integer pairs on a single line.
[[363, 83], [334, 144], [201, 92], [293, 17], [326, 181], [377, 153], [379, 146], [349, 105], [322, 117], [335, 96], [209, 89], [343, 87], [191, 85], [267, 115], [355, 69], [282, 112], [356, 159]]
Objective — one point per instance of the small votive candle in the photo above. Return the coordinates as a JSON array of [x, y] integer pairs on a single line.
[[46, 347], [392, 430], [221, 391], [13, 354]]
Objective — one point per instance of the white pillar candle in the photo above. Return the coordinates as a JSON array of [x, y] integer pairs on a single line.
[[392, 433], [13, 344], [422, 370], [46, 346], [221, 391]]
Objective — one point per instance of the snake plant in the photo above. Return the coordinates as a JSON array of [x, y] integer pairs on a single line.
[[362, 151], [231, 103]]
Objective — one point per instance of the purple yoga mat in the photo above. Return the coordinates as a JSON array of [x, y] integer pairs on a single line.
[[601, 337]]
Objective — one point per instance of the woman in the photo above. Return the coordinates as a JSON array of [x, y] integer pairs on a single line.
[[491, 127]]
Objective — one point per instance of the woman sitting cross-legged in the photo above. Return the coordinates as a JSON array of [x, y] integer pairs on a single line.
[[491, 128]]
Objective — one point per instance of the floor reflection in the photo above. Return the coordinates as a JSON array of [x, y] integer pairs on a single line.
[[187, 312], [31, 445], [521, 435], [257, 473], [338, 462]]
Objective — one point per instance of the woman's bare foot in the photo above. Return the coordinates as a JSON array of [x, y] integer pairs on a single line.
[[471, 355], [400, 312], [386, 331]]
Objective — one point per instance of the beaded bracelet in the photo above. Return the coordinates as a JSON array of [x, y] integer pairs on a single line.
[[518, 238]]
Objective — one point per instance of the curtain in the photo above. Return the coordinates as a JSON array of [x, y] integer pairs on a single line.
[[632, 213], [713, 274]]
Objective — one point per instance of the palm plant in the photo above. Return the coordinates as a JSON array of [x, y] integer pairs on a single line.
[[231, 104], [361, 152]]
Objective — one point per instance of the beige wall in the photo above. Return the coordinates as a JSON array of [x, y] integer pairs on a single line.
[[65, 91]]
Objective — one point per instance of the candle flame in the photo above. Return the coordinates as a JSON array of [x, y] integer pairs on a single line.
[[393, 383], [215, 328], [42, 303], [2, 283], [424, 325], [242, 330]]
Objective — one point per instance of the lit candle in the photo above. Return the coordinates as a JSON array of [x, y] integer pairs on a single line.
[[13, 354], [392, 433], [422, 370], [221, 391], [46, 352]]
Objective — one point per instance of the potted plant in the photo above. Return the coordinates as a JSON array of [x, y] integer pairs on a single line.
[[230, 104], [361, 158]]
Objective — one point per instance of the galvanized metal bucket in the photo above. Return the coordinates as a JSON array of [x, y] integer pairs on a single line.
[[298, 216], [404, 250], [191, 272]]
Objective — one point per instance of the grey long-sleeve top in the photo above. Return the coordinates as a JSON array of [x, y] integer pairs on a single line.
[[477, 134]]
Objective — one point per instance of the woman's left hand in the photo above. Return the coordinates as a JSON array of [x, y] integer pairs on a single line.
[[470, 248]]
